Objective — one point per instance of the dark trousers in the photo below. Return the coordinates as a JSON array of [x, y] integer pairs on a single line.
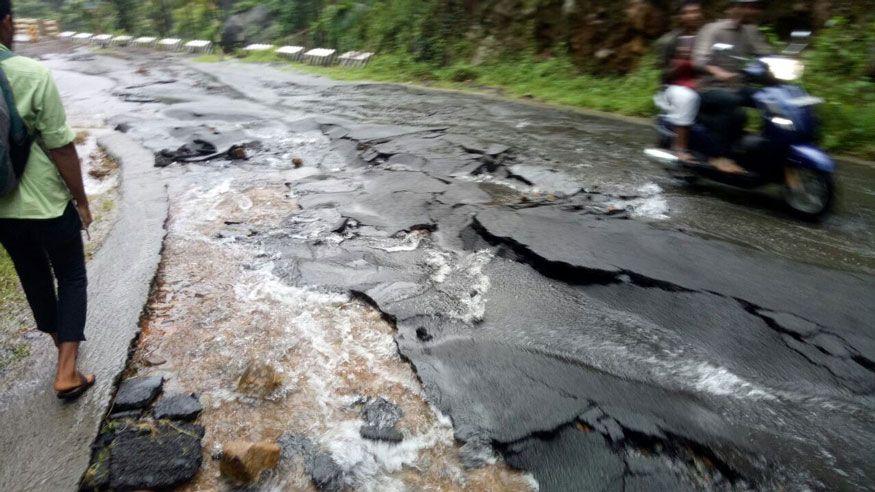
[[722, 112], [45, 251]]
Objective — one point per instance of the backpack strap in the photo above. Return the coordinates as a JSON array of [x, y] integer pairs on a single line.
[[20, 137]]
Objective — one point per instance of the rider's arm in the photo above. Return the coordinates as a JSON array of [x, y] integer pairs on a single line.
[[703, 54], [757, 41]]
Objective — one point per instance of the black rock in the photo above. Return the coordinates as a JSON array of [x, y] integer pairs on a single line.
[[293, 446], [178, 407], [325, 472], [381, 413], [127, 414], [387, 434], [137, 393], [157, 456]]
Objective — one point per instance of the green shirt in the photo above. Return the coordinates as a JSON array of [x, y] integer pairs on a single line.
[[42, 193]]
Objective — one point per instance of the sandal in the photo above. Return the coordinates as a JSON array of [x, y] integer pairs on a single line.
[[74, 393]]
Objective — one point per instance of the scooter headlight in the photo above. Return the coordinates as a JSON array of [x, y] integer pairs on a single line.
[[785, 69], [783, 123]]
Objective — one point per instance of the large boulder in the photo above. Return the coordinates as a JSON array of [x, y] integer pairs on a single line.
[[252, 26]]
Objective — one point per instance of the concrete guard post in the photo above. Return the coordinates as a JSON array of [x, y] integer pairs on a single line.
[[354, 59], [83, 37], [320, 56], [47, 443], [122, 40], [199, 46], [258, 48], [291, 53], [170, 44], [67, 35], [145, 42], [102, 40]]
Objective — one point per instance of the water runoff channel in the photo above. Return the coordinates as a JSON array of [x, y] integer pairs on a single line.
[[543, 309]]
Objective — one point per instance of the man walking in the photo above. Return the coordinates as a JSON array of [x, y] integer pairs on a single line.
[[41, 220]]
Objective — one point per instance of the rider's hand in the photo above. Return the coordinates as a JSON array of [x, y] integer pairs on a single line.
[[84, 213], [725, 75]]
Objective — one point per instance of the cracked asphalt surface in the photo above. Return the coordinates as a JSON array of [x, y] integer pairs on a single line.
[[545, 308]]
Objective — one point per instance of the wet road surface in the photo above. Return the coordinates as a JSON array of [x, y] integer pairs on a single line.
[[562, 302]]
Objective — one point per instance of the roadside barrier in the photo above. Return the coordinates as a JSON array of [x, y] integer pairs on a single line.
[[83, 37], [256, 48], [50, 28], [199, 46], [26, 30], [320, 56], [102, 40], [354, 59], [170, 44], [145, 42], [291, 53], [122, 40]]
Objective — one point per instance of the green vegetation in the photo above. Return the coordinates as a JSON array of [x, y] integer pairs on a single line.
[[9, 290]]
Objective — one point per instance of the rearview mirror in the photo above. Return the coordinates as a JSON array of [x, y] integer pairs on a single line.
[[798, 44], [800, 36], [722, 47]]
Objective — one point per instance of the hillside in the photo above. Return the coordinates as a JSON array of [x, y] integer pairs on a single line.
[[590, 53]]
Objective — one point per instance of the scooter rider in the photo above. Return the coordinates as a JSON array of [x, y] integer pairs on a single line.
[[721, 87]]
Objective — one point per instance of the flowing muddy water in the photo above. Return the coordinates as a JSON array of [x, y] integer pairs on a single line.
[[514, 251]]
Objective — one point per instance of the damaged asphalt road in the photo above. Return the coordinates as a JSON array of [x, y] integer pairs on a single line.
[[590, 348]]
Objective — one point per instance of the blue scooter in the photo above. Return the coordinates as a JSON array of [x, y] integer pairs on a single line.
[[783, 153]]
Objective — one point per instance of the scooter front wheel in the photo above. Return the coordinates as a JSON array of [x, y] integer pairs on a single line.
[[812, 195]]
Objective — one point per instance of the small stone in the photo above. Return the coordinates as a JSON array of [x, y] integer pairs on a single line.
[[259, 379], [137, 393], [496, 149], [297, 162], [237, 152], [295, 446], [244, 462], [380, 412], [178, 407], [386, 434], [326, 473]]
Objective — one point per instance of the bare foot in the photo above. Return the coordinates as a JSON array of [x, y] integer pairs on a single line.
[[684, 155], [792, 177], [67, 384], [728, 166]]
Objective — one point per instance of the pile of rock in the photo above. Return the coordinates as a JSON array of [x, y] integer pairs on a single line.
[[145, 445]]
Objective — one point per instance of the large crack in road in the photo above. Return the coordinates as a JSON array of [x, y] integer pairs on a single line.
[[550, 323]]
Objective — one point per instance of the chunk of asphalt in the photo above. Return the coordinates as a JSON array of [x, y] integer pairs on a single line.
[[159, 457], [179, 406], [137, 393], [385, 434], [380, 413], [326, 474]]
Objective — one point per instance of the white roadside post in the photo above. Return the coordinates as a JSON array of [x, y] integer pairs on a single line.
[[83, 37], [291, 53], [66, 35], [355, 59], [320, 56], [199, 46], [145, 42], [170, 44], [258, 48], [122, 40], [22, 38], [102, 40]]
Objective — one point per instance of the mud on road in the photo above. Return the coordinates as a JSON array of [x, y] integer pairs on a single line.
[[514, 279]]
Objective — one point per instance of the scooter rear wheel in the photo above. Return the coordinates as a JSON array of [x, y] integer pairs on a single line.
[[814, 197]]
